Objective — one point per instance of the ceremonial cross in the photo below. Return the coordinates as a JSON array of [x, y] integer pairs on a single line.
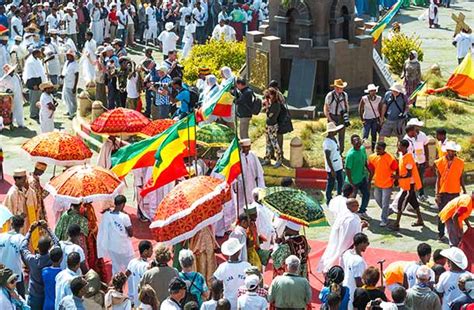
[[460, 24]]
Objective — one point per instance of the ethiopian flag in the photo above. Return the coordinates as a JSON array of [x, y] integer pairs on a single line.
[[219, 105], [229, 164], [187, 133], [461, 81], [376, 32], [417, 90]]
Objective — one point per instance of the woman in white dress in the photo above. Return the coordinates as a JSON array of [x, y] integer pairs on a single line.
[[97, 24], [188, 36], [47, 107], [88, 59]]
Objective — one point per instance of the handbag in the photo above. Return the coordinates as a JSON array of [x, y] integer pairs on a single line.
[[284, 120], [31, 82], [379, 126]]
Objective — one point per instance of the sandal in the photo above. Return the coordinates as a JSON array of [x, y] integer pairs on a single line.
[[415, 224]]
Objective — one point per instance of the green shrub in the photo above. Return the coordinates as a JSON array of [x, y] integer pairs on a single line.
[[214, 55], [467, 151], [456, 108], [356, 123], [420, 113], [308, 132], [257, 127], [438, 108], [397, 49]]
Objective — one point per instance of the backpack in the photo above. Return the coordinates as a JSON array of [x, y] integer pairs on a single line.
[[193, 96], [256, 105], [190, 296]]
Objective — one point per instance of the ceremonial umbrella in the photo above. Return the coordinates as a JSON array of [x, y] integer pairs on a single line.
[[293, 205], [119, 121], [5, 215], [84, 183], [214, 135], [3, 29], [192, 205], [57, 148], [156, 127]]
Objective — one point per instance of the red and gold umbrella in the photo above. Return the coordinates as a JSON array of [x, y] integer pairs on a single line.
[[57, 148], [119, 121], [155, 127], [189, 207], [85, 183], [3, 29]]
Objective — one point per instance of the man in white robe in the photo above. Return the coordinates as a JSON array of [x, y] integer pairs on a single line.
[[4, 54], [347, 224], [252, 171], [12, 82], [51, 60], [337, 205], [97, 25], [105, 155], [264, 221], [88, 59], [223, 31]]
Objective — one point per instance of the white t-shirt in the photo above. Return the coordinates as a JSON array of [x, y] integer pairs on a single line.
[[68, 247], [336, 159], [113, 234], [137, 267], [410, 272], [53, 22], [463, 44], [199, 16], [168, 39], [130, 12], [132, 91], [19, 26], [189, 29], [251, 301], [10, 251], [69, 72], [233, 276], [123, 19], [209, 305], [448, 286], [151, 13], [184, 11], [168, 304], [354, 266], [417, 147], [71, 23]]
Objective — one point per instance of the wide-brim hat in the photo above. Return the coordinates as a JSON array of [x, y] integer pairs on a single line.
[[169, 26], [339, 83], [332, 127], [451, 146], [371, 87], [70, 6], [457, 256], [46, 85], [100, 50], [398, 88], [415, 122], [231, 246], [117, 41], [8, 69]]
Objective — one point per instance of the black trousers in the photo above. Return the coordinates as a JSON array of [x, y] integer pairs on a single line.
[[408, 197]]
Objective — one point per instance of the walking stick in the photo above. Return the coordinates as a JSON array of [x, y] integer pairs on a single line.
[[307, 260], [380, 262]]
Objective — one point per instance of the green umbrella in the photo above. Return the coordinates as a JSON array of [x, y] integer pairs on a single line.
[[214, 135], [293, 205]]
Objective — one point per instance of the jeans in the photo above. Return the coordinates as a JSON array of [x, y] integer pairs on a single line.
[[149, 98], [332, 182], [382, 197], [112, 95], [421, 171], [36, 303], [444, 199], [363, 187], [370, 127], [201, 34], [141, 31], [122, 35]]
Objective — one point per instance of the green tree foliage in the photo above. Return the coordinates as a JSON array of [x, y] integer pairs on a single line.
[[397, 49]]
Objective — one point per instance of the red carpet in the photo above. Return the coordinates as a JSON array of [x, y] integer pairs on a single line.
[[141, 231]]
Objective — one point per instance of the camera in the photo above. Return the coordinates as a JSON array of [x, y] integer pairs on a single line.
[[160, 84], [345, 116]]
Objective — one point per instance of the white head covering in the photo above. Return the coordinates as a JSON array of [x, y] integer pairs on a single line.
[[415, 56], [211, 80], [226, 72]]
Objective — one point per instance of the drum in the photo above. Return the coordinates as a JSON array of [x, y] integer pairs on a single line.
[[6, 105]]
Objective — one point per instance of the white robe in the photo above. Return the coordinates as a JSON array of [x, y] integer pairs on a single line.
[[188, 39], [33, 69], [264, 225], [241, 234], [4, 56], [53, 66], [226, 32], [14, 84], [97, 26], [253, 173], [46, 116], [341, 237], [87, 62], [229, 214], [336, 206], [105, 155]]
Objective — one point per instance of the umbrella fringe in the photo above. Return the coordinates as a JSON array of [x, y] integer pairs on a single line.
[[57, 162], [216, 192], [90, 198], [193, 232]]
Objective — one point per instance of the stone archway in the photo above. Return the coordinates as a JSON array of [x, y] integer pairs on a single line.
[[342, 20], [294, 21]]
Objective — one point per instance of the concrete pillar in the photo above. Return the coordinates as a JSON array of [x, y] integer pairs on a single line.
[[272, 45]]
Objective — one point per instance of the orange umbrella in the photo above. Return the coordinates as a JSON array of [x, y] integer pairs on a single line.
[[57, 148], [189, 207], [156, 127], [119, 121], [84, 183]]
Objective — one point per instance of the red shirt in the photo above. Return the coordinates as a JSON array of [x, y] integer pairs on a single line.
[[113, 17]]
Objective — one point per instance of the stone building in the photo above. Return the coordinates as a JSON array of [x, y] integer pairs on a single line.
[[306, 45]]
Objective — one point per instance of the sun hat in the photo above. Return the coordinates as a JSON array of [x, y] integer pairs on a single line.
[[46, 85], [53, 31], [100, 50], [169, 26], [18, 38], [398, 88], [245, 142], [18, 173], [371, 87], [7, 69], [451, 146], [457, 256], [251, 282], [339, 83], [415, 122], [231, 246], [331, 127], [163, 68], [108, 48], [70, 6]]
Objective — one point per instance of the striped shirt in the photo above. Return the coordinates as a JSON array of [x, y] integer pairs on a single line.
[[163, 99]]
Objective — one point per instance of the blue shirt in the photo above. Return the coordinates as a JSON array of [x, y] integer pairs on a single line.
[[323, 296], [49, 274], [199, 284], [396, 107], [163, 99], [3, 20], [71, 302], [185, 98]]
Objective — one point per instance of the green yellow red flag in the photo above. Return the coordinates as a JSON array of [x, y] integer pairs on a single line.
[[229, 164]]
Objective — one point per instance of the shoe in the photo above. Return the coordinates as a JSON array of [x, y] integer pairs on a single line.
[[383, 224], [266, 162], [277, 164], [423, 198], [364, 216]]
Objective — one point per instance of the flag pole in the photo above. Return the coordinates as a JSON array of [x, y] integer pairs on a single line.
[[241, 168], [195, 146]]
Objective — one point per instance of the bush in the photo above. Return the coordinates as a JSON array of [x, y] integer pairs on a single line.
[[438, 108], [257, 127], [420, 113], [397, 49], [309, 130], [214, 55], [456, 108], [467, 151]]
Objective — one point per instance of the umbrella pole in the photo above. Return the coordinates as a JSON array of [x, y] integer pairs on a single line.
[[189, 143], [241, 170], [54, 170]]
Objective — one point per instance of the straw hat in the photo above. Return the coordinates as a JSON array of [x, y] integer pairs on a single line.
[[457, 256], [100, 50], [339, 83], [398, 88], [451, 146], [32, 28], [163, 68], [169, 26], [8, 69], [331, 127], [415, 122], [46, 85], [18, 173], [371, 87], [231, 246]]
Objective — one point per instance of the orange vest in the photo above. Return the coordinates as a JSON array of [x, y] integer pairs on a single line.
[[462, 206], [450, 176], [403, 162], [383, 167]]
